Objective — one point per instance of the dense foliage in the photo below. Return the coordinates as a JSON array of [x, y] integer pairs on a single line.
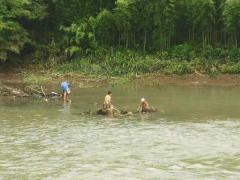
[[122, 36]]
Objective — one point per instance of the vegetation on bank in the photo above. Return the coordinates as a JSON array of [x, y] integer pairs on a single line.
[[183, 59], [124, 38]]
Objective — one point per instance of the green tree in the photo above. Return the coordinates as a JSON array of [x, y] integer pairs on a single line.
[[142, 13], [231, 16], [105, 28], [164, 21], [13, 35], [123, 19], [203, 18]]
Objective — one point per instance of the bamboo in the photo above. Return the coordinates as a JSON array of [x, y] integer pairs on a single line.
[[134, 39], [193, 33], [225, 38], [161, 44], [150, 39], [119, 38], [221, 36], [127, 40], [189, 33], [169, 42], [236, 40], [145, 39]]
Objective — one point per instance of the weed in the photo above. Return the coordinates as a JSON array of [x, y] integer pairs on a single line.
[[214, 73], [82, 86], [120, 62], [121, 80], [31, 78]]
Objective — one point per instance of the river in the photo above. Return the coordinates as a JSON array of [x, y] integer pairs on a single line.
[[195, 135]]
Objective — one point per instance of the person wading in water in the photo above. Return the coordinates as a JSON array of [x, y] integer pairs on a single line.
[[143, 105], [66, 90], [107, 102]]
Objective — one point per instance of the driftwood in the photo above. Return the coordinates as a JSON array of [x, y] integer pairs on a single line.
[[30, 89], [43, 92], [103, 112], [6, 90], [124, 112], [35, 91], [87, 112], [39, 92], [197, 73], [110, 112], [150, 110]]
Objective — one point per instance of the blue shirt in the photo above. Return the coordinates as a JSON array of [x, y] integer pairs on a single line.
[[64, 86]]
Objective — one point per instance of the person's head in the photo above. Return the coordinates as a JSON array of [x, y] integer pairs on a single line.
[[60, 82], [142, 100], [109, 93]]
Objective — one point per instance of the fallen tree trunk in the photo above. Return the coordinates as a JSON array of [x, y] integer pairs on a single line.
[[150, 110], [103, 112], [110, 112], [12, 91]]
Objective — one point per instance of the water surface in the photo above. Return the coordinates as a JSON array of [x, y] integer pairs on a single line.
[[196, 135]]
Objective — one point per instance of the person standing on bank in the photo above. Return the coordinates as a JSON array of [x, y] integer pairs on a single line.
[[66, 90], [107, 102]]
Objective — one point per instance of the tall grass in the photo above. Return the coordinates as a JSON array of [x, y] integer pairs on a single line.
[[125, 65], [182, 59]]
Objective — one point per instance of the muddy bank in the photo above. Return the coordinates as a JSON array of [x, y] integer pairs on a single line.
[[223, 80], [152, 79], [10, 77]]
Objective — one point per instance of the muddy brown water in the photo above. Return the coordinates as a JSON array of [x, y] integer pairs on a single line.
[[196, 135]]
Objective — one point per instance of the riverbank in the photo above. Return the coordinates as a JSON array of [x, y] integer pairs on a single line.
[[147, 79]]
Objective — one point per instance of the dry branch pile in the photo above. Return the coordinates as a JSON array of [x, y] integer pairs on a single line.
[[150, 110], [110, 112], [35, 91], [6, 91]]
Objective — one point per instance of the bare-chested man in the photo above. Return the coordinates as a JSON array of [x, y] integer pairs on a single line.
[[107, 102], [143, 105]]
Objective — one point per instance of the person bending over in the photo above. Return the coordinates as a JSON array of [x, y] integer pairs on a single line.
[[66, 90], [143, 105]]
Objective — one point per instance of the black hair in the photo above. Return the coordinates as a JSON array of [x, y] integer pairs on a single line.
[[109, 92]]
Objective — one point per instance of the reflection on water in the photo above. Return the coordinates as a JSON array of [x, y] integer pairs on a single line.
[[196, 137]]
